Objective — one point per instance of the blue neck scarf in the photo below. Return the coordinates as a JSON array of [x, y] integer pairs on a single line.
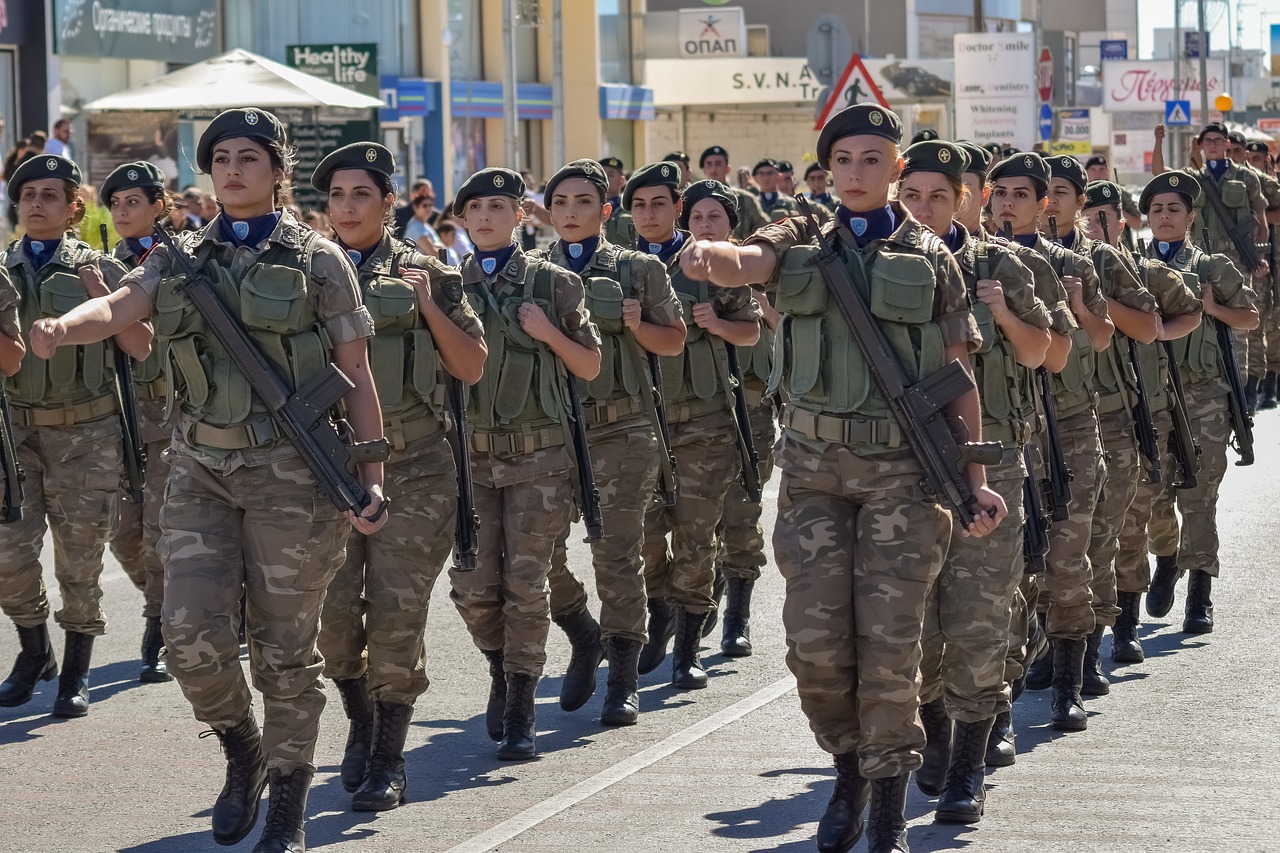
[[247, 232], [359, 256], [1028, 240], [40, 252], [665, 250], [1218, 168], [767, 199], [954, 239], [492, 262], [868, 225], [1068, 239], [139, 245], [825, 198], [1168, 251], [585, 251]]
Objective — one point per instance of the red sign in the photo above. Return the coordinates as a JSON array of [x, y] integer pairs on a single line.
[[854, 87], [1044, 75]]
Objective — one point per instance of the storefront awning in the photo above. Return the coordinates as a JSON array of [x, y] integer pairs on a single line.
[[237, 78]]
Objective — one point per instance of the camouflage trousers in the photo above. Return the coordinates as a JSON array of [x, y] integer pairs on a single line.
[[1197, 543], [1125, 466], [740, 537], [268, 534], [625, 465], [134, 544], [707, 460], [1133, 568], [1259, 339], [504, 601], [375, 613], [1271, 320], [1020, 616], [72, 486], [1065, 590], [965, 636], [858, 544]]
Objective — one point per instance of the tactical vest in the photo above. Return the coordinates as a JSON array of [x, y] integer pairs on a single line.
[[75, 374], [402, 354], [1005, 387], [1198, 354], [148, 374], [696, 382], [1154, 364], [1235, 198], [521, 390], [620, 376], [272, 301], [1072, 386], [1114, 377], [819, 366]]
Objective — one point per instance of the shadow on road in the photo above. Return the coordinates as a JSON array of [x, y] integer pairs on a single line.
[[104, 683]]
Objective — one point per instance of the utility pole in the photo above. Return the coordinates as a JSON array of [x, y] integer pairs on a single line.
[[557, 83], [1204, 61], [1175, 138], [979, 25], [510, 110]]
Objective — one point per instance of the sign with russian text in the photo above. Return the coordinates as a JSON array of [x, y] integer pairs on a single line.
[[996, 88], [1146, 85], [354, 66], [182, 31], [708, 32]]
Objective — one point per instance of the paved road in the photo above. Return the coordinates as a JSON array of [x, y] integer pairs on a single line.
[[1180, 757]]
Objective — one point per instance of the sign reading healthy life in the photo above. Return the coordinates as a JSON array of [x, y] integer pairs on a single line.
[[1177, 112]]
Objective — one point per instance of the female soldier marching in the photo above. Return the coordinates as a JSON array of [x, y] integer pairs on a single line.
[[243, 514]]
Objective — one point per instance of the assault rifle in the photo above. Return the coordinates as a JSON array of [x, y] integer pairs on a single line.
[[1182, 441], [302, 416], [11, 507], [1241, 420], [135, 452], [668, 483], [919, 409], [742, 420], [1035, 532], [466, 542], [588, 494]]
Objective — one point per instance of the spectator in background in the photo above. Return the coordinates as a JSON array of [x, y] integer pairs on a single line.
[[418, 230], [192, 206], [209, 207], [60, 142], [318, 222], [421, 188], [94, 216], [452, 243]]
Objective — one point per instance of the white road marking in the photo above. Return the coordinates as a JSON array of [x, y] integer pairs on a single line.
[[552, 806]]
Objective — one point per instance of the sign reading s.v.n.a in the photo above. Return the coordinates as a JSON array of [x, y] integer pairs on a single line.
[[163, 30]]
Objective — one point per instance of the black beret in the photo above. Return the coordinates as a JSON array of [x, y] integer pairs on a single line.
[[1069, 169], [662, 174], [1103, 194], [713, 151], [699, 190], [369, 156], [979, 158], [945, 158], [677, 157], [1213, 127], [611, 163], [926, 135], [785, 166], [1170, 182], [814, 167], [43, 166], [766, 163], [1235, 137], [1095, 160], [1029, 165], [492, 181], [1257, 148], [858, 120], [252, 123], [588, 169], [130, 175]]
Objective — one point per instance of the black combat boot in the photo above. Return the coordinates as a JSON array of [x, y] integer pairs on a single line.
[[35, 663], [1037, 649], [1038, 673], [717, 592], [236, 809], [1125, 647], [1199, 613], [662, 627], [1001, 750], [963, 798], [736, 641], [73, 683], [1163, 583], [286, 812], [385, 782], [621, 699], [1095, 680], [1268, 399], [1251, 394], [841, 824], [937, 748], [686, 669], [359, 709], [1068, 673], [497, 695], [887, 823], [518, 724], [153, 669], [579, 681]]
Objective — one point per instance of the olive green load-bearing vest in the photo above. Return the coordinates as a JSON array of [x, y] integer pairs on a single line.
[[1005, 387], [1073, 391], [402, 353], [272, 301], [1198, 354], [522, 389], [620, 376], [818, 365], [75, 374], [696, 382], [147, 373], [1114, 376], [1235, 198]]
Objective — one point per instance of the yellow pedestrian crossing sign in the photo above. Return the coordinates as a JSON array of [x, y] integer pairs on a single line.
[[1177, 112]]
